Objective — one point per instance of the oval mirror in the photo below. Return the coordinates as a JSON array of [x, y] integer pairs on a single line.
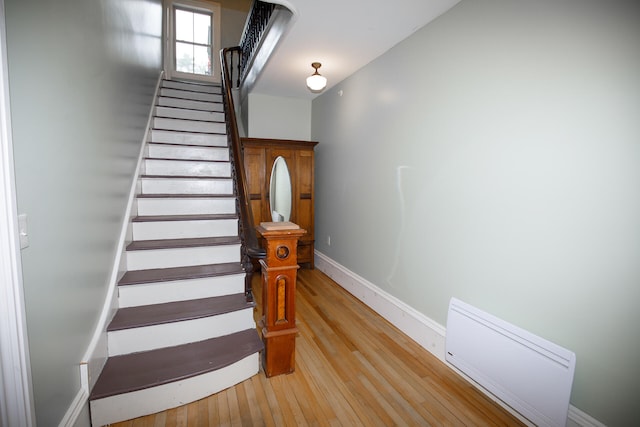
[[280, 191]]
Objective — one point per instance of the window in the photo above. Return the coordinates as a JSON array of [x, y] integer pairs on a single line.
[[194, 30]]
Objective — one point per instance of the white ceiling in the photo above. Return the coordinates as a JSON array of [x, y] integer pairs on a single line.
[[344, 35]]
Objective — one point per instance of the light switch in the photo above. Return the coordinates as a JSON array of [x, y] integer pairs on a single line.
[[22, 229]]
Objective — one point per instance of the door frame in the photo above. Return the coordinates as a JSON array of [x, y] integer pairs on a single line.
[[16, 396], [169, 52]]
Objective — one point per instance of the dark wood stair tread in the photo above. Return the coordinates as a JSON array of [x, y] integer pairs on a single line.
[[193, 87], [136, 277], [177, 144], [216, 177], [137, 371], [190, 82], [157, 314], [189, 131], [205, 120], [174, 107], [177, 96], [163, 218], [186, 160], [184, 196], [141, 245]]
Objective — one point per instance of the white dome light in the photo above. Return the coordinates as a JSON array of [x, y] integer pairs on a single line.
[[316, 82]]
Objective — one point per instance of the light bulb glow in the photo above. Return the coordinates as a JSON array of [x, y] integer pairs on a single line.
[[316, 82]]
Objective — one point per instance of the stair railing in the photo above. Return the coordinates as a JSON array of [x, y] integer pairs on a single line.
[[254, 28], [235, 63], [250, 248]]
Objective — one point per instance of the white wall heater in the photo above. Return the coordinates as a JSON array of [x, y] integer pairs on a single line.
[[528, 373]]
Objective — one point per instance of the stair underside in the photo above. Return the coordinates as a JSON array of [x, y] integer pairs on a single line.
[[137, 371], [156, 314]]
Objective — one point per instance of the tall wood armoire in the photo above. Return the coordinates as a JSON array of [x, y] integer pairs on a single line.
[[259, 156]]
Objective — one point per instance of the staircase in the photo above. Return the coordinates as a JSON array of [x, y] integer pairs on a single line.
[[184, 329]]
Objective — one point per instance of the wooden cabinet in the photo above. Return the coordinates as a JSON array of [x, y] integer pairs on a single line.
[[259, 156]]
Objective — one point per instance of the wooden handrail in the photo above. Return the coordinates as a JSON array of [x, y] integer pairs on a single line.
[[257, 22], [251, 249]]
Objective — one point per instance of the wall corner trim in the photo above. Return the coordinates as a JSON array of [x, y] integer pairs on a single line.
[[428, 333]]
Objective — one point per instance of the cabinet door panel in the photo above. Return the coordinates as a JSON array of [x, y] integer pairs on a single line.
[[254, 159], [304, 173], [304, 216], [305, 253]]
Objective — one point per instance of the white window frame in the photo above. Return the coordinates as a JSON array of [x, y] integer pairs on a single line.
[[170, 43]]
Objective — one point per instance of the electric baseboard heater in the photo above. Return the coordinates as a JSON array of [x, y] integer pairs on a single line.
[[528, 373]]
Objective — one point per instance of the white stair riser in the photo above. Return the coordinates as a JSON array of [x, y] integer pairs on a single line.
[[181, 113], [191, 87], [155, 399], [186, 186], [165, 151], [187, 168], [155, 230], [179, 257], [176, 333], [179, 290], [182, 206], [170, 137], [189, 104], [195, 96], [188, 125]]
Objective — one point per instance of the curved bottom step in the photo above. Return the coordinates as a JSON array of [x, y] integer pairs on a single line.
[[144, 383]]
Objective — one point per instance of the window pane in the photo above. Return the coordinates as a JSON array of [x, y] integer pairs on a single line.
[[202, 60], [184, 25], [193, 41], [184, 57], [202, 28]]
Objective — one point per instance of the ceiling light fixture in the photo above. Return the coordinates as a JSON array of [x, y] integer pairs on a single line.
[[316, 82]]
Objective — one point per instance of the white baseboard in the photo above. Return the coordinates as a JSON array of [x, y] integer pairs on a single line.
[[581, 419], [423, 330], [428, 333], [76, 408]]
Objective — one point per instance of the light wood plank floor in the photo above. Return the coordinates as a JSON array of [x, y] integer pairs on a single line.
[[353, 368]]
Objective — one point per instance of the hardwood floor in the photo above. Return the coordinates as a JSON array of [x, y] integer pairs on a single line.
[[353, 368]]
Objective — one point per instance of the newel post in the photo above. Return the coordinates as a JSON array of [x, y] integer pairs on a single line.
[[279, 271]]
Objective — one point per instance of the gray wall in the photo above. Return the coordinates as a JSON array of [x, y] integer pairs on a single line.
[[278, 117], [82, 76], [233, 16], [494, 156]]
